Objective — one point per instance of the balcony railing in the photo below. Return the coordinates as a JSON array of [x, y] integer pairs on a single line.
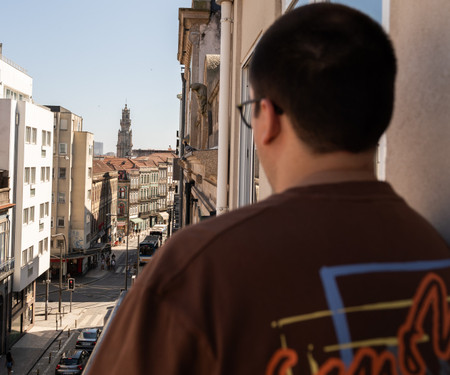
[[6, 268], [13, 64]]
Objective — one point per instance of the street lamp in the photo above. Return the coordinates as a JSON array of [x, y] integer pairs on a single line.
[[60, 266]]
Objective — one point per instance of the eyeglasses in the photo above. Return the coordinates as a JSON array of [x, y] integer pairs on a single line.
[[245, 109]]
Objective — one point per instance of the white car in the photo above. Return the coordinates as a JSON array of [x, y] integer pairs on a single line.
[[87, 339]]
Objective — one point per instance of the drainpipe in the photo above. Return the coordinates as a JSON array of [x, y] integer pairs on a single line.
[[224, 99]]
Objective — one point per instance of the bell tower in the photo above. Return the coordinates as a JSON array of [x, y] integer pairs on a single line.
[[124, 142]]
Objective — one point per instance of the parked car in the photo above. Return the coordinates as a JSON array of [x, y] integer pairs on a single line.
[[87, 339], [72, 362]]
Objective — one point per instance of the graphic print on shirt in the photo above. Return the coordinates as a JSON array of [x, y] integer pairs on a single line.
[[422, 326]]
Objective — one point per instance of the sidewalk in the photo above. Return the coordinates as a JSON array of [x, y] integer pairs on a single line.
[[31, 346]]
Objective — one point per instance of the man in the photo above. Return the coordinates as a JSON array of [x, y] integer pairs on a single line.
[[354, 281]]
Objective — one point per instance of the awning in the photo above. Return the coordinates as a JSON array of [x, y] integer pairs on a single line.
[[137, 221], [164, 215]]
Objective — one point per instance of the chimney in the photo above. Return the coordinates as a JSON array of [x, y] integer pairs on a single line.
[[1, 47]]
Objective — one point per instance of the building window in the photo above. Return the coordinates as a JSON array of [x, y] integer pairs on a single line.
[[31, 214], [63, 124], [41, 210], [63, 148], [42, 174], [33, 136], [61, 197], [62, 172], [47, 173], [26, 177], [41, 247], [51, 222], [122, 191], [89, 194], [27, 255], [61, 221], [47, 208], [33, 175], [27, 134], [32, 192], [49, 138], [90, 172], [4, 230], [26, 214]]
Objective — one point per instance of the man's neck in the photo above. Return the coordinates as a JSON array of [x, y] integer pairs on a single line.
[[313, 169]]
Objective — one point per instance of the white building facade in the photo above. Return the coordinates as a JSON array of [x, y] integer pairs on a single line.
[[26, 138], [26, 149]]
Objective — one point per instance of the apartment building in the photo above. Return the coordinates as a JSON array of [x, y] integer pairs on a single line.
[[26, 136], [125, 209], [104, 202], [73, 151], [80, 236], [198, 51], [6, 260], [145, 206], [135, 222], [157, 187], [25, 148]]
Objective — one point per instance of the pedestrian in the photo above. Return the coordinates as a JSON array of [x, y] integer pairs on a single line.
[[353, 281], [9, 362]]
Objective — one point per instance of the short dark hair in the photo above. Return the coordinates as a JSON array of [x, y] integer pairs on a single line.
[[331, 69]]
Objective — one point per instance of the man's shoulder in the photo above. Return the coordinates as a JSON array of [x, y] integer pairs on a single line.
[[200, 241]]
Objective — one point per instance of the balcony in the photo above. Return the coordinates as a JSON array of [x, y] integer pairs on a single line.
[[6, 268]]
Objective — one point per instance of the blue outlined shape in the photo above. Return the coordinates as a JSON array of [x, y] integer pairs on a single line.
[[329, 277]]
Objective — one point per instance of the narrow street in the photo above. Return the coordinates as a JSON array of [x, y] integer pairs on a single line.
[[93, 300]]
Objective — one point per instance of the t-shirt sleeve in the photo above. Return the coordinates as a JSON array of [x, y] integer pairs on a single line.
[[150, 336]]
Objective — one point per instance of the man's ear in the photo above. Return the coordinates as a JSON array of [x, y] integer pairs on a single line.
[[270, 121]]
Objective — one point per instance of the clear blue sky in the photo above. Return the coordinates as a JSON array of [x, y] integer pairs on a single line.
[[90, 56]]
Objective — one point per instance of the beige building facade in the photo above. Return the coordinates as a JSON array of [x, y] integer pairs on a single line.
[[198, 51], [73, 152]]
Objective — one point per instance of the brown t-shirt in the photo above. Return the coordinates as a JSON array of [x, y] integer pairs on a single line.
[[329, 279]]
